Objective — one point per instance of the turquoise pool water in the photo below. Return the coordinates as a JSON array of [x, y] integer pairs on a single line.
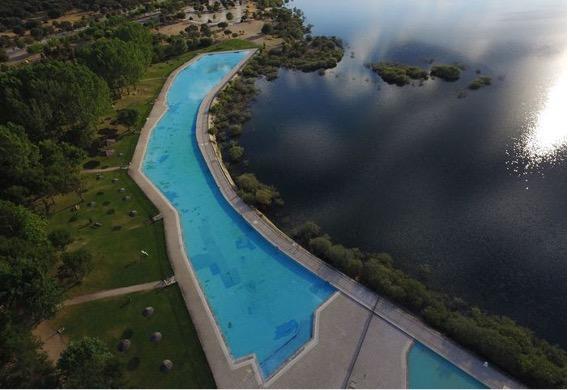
[[428, 370], [262, 300]]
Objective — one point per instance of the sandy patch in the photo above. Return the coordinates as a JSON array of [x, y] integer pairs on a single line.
[[175, 28], [53, 343]]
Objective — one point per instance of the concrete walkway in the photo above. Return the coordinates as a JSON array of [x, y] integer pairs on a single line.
[[114, 292], [103, 170]]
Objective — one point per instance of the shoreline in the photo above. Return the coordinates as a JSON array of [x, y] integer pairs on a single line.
[[385, 310], [244, 372]]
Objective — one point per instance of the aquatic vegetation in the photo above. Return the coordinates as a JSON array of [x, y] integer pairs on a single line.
[[446, 72], [480, 82], [254, 192], [398, 74]]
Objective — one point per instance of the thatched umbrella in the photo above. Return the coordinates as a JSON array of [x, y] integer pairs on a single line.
[[123, 345], [148, 311], [166, 366], [155, 337]]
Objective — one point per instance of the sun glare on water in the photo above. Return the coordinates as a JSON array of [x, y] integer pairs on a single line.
[[545, 139], [551, 130]]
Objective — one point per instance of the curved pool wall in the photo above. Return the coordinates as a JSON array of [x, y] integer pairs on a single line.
[[428, 370], [262, 300]]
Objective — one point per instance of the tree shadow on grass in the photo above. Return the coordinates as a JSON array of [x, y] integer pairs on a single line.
[[133, 363]]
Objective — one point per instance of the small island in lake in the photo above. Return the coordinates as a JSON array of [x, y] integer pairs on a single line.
[[401, 74], [398, 74], [446, 72], [480, 82]]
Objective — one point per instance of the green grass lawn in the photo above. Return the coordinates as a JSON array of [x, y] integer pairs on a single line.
[[117, 318], [115, 245]]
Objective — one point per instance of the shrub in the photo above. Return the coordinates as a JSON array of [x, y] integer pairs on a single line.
[[446, 72], [60, 238], [235, 130], [128, 116], [76, 264], [480, 82], [267, 28], [236, 153], [398, 74]]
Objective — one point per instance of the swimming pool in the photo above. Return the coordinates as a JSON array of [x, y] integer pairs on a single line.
[[262, 300], [428, 370]]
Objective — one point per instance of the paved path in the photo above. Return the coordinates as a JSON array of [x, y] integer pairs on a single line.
[[114, 292], [103, 170]]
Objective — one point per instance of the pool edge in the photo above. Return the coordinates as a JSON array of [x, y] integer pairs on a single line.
[[186, 276], [226, 371]]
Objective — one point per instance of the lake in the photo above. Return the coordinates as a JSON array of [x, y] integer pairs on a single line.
[[468, 194]]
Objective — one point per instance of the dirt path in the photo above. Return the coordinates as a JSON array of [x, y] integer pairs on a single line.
[[101, 170], [115, 292], [54, 342]]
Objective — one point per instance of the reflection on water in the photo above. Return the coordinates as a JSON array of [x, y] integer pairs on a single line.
[[545, 139], [473, 188]]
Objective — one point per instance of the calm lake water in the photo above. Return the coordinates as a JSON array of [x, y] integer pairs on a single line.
[[468, 194]]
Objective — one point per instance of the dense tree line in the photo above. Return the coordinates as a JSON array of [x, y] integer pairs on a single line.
[[121, 58], [49, 112], [30, 294], [32, 97]]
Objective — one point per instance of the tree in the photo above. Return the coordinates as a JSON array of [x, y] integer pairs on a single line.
[[267, 28], [3, 55], [320, 246], [236, 153], [19, 163], [56, 100], [229, 16], [306, 232], [118, 62], [60, 165], [263, 197], [88, 363], [76, 264], [22, 364], [128, 117], [177, 46], [27, 290], [248, 182], [60, 238], [139, 36], [28, 172]]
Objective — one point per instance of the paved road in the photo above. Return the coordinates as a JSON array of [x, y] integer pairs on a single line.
[[114, 292]]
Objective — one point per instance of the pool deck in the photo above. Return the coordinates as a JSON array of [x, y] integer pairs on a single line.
[[360, 339]]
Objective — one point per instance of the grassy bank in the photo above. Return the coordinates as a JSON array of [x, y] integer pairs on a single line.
[[104, 225]]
